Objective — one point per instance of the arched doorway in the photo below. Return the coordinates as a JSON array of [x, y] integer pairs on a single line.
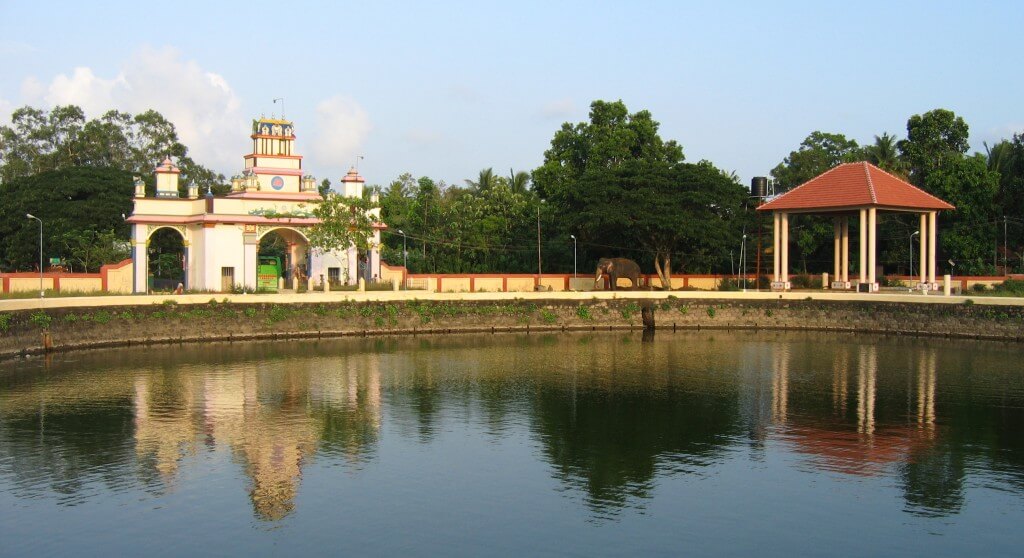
[[282, 260], [166, 257]]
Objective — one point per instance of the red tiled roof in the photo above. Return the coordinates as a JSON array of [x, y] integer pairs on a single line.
[[853, 185]]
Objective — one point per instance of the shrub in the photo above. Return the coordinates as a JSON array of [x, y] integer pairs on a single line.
[[979, 287], [5, 322], [40, 319], [1011, 287], [547, 316], [583, 313], [711, 311], [806, 281], [630, 309]]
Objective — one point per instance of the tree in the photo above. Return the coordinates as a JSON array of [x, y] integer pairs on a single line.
[[325, 187], [970, 234], [819, 152], [485, 181], [518, 181], [68, 201], [611, 137], [344, 222], [885, 155], [934, 139], [706, 212], [37, 141], [88, 249]]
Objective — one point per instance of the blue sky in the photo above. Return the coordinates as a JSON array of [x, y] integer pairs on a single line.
[[444, 89]]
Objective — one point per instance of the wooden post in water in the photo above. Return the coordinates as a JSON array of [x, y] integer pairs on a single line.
[[647, 313]]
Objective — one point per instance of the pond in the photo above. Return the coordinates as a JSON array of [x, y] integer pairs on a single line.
[[557, 444]]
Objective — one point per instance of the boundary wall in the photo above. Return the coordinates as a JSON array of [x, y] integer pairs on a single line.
[[117, 278], [112, 278]]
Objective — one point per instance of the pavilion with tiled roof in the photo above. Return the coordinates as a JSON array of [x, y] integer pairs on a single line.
[[848, 189]]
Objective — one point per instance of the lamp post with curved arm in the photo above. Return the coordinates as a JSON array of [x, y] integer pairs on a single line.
[[912, 254], [42, 293], [573, 237]]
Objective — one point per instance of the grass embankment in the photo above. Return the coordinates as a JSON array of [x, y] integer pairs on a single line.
[[22, 332]]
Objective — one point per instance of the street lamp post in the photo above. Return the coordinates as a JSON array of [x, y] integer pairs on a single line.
[[912, 254], [538, 246], [42, 293], [405, 252], [743, 262], [573, 237]]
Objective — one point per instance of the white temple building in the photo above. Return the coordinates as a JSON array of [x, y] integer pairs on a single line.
[[221, 234]]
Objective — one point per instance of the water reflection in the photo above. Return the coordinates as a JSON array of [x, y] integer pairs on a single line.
[[612, 415]]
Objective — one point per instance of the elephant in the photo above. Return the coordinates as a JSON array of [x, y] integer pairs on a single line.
[[615, 268]]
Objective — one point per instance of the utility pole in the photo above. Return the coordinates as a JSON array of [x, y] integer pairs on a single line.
[[538, 245]]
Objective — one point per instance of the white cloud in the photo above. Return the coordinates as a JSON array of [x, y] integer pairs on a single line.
[[201, 104], [342, 126], [559, 108]]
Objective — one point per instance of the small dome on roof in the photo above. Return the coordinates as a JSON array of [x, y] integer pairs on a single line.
[[352, 176]]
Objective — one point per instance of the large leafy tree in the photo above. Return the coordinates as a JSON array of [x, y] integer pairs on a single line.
[[619, 187], [819, 152], [344, 222], [973, 189], [37, 141], [934, 139], [69, 201]]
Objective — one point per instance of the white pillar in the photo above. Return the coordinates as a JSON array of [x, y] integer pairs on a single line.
[[924, 248], [863, 246], [140, 260], [785, 248], [933, 218], [775, 247], [250, 246], [872, 236], [837, 250], [846, 249]]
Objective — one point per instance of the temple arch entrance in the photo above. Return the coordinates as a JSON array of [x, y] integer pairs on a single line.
[[283, 260], [167, 260]]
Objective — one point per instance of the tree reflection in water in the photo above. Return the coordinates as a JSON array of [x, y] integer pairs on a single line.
[[612, 414]]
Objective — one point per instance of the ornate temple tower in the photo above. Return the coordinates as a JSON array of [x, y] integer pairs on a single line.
[[273, 167]]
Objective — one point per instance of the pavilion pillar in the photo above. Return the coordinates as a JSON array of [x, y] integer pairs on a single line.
[[837, 233], [785, 248], [933, 218], [846, 249], [872, 236], [863, 246], [775, 246], [924, 248]]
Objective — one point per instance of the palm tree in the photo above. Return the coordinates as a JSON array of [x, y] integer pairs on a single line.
[[885, 155], [518, 181], [999, 156], [485, 181]]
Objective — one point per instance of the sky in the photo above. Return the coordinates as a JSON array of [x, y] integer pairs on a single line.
[[444, 89]]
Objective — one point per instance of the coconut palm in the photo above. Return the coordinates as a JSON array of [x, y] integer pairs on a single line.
[[885, 155], [518, 181], [485, 181]]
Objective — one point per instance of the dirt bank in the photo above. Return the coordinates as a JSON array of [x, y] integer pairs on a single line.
[[22, 332]]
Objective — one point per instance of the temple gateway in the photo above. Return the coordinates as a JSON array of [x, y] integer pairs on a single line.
[[221, 234]]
